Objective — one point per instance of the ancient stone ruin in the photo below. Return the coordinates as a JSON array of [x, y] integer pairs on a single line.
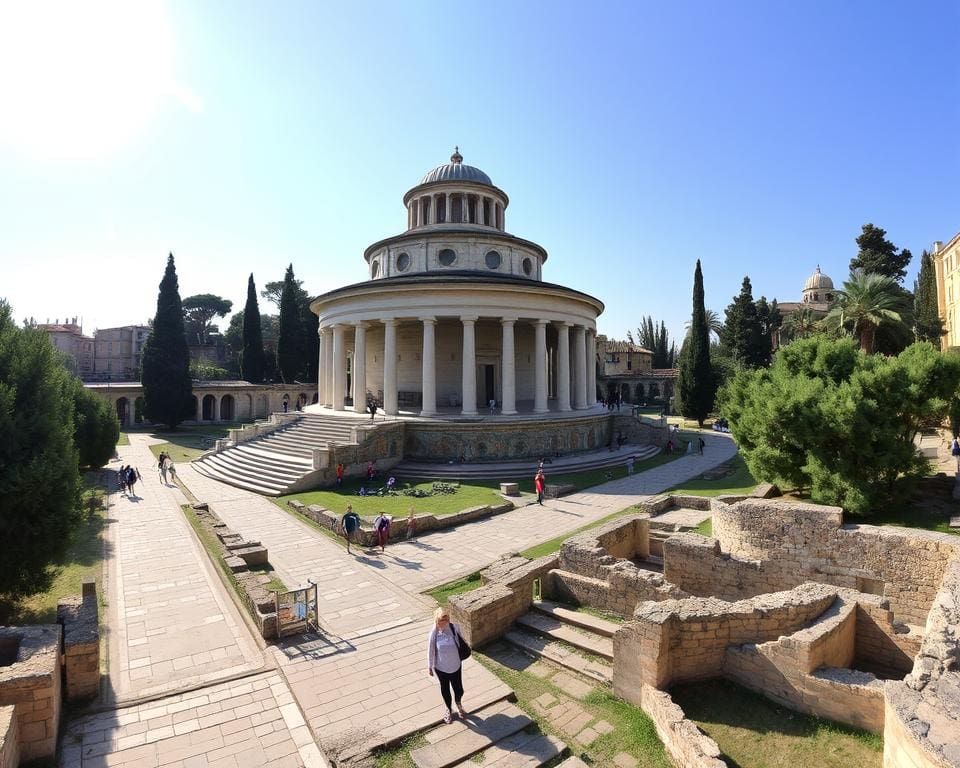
[[856, 623]]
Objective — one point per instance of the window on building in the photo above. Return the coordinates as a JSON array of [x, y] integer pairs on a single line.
[[629, 365], [447, 257]]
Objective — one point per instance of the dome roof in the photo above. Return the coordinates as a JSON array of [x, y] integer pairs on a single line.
[[818, 281], [455, 170]]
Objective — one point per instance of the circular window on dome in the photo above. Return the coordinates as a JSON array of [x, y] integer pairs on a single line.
[[375, 269], [403, 262], [446, 257], [493, 260], [527, 266]]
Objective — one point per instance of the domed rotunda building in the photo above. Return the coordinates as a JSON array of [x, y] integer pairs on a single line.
[[455, 319]]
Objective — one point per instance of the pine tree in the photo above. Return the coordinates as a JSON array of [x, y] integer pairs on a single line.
[[878, 256], [165, 372], [696, 387], [252, 358], [926, 316], [742, 333], [291, 347]]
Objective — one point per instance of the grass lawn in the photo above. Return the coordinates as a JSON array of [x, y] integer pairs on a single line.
[[738, 481], [82, 560], [755, 733], [444, 592], [124, 439], [705, 528]]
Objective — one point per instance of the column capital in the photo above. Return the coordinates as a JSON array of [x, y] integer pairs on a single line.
[[510, 320], [390, 321], [359, 324], [543, 323], [566, 323], [469, 318], [429, 319]]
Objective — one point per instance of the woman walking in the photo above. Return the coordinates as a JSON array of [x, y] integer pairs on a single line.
[[539, 482], [443, 661]]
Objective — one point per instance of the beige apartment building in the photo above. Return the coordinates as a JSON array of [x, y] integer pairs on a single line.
[[118, 352], [68, 337], [946, 262]]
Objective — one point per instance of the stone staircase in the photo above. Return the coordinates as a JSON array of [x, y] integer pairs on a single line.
[[519, 470], [571, 639], [498, 736], [274, 463]]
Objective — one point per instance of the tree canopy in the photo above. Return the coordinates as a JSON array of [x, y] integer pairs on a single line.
[[657, 340], [291, 346], [39, 477], [95, 426], [199, 311], [927, 325], [696, 385], [165, 372], [252, 363], [746, 334], [867, 301], [829, 419], [878, 256]]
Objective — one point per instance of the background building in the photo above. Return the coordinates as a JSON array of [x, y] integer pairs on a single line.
[[118, 352], [946, 261], [68, 337]]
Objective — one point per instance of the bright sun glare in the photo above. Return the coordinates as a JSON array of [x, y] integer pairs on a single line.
[[78, 79]]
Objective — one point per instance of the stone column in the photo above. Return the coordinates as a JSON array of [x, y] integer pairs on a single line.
[[469, 377], [448, 201], [540, 367], [434, 213], [508, 367], [390, 367], [429, 368], [199, 414], [579, 368], [465, 209], [563, 366], [481, 219], [359, 368], [591, 368], [321, 369], [216, 410], [339, 368]]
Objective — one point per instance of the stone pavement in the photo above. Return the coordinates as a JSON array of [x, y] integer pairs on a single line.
[[171, 623]]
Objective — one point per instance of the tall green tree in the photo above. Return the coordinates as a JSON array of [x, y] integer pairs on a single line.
[[877, 255], [800, 324], [95, 426], [198, 314], [165, 370], [252, 357], [291, 346], [867, 301], [742, 330], [927, 325], [656, 338], [39, 477], [841, 424], [696, 386], [769, 321]]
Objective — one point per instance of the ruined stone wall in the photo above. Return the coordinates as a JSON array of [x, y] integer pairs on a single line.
[[922, 724], [683, 740], [678, 640], [625, 587], [32, 685], [807, 542], [9, 746], [81, 643], [593, 552], [697, 566], [484, 614]]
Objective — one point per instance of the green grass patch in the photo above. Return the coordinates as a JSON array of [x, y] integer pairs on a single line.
[[737, 480], [444, 592], [82, 560], [705, 528], [124, 439], [753, 731], [553, 545]]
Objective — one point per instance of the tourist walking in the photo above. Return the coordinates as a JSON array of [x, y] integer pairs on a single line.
[[540, 483], [701, 442], [339, 474], [350, 523], [172, 470], [955, 451], [122, 479], [381, 524], [162, 467], [630, 460], [133, 474], [443, 661]]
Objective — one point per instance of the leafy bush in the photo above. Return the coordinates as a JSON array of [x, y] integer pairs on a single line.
[[96, 429], [828, 418]]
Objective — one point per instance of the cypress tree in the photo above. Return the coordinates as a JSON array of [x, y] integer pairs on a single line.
[[696, 387], [165, 372], [252, 358], [291, 347], [877, 255], [742, 332], [926, 315]]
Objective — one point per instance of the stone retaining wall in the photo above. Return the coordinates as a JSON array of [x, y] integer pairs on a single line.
[[9, 746], [486, 613], [922, 725], [593, 552], [32, 685], [684, 741], [77, 615], [806, 542], [398, 528], [625, 587]]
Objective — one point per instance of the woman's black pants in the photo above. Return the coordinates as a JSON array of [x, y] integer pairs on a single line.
[[446, 680]]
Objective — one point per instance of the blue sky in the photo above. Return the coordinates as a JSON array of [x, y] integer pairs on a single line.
[[631, 138]]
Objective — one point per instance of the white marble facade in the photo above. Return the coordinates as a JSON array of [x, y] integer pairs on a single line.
[[455, 315]]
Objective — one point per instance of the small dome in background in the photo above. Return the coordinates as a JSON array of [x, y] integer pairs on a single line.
[[818, 281], [455, 170]]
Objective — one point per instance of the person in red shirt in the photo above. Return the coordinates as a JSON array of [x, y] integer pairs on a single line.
[[339, 474], [539, 482]]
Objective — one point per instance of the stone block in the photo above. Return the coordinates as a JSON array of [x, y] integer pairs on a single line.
[[9, 740], [234, 563], [256, 555], [510, 489], [31, 683]]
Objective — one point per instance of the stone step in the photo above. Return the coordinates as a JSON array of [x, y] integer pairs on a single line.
[[521, 750], [260, 454], [205, 468], [577, 618], [559, 654], [551, 626], [521, 470], [449, 745], [241, 465], [572, 762]]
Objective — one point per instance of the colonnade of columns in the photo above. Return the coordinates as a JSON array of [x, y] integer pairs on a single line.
[[333, 366], [437, 208]]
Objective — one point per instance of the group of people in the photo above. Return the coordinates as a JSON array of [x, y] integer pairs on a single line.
[[128, 477], [350, 525], [165, 468], [613, 402]]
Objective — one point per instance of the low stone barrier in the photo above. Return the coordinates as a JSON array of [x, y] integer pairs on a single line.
[[9, 746], [682, 738], [367, 536], [31, 683], [594, 551], [484, 614], [81, 643]]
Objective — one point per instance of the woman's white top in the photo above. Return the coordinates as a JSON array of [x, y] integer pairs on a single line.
[[442, 653]]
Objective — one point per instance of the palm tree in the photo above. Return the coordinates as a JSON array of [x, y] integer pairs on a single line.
[[866, 302], [800, 324], [714, 324]]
